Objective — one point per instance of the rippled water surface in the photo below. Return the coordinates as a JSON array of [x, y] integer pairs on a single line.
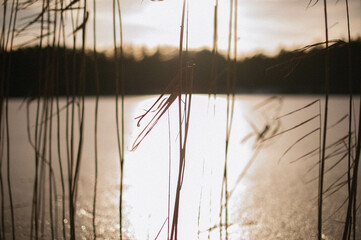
[[272, 186]]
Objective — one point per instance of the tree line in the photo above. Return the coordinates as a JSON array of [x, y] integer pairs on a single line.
[[289, 72]]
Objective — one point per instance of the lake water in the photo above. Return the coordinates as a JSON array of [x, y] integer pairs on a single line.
[[271, 197]]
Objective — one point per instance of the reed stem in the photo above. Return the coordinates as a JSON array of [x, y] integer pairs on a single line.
[[96, 117], [174, 232], [322, 163]]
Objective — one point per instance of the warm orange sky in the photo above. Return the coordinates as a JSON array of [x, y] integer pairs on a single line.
[[263, 25]]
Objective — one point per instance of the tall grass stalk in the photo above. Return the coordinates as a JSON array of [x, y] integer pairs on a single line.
[[174, 230], [2, 125], [81, 92], [67, 115], [350, 114], [81, 112], [5, 90], [119, 123], [71, 160], [61, 31], [69, 104], [44, 142], [322, 160], [74, 162], [50, 173], [12, 30], [353, 193], [169, 174], [54, 100], [350, 96], [95, 117], [122, 84], [53, 224], [350, 222], [2, 233], [45, 123], [230, 109]]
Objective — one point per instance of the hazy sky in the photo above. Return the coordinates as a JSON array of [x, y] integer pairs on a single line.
[[262, 24]]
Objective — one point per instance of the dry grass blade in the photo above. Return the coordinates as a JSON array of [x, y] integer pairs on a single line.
[[297, 141], [265, 102], [338, 122], [297, 110], [338, 142], [244, 171], [163, 108], [336, 188], [310, 153], [335, 43], [337, 210], [336, 153], [33, 40], [71, 4], [337, 162], [82, 25], [310, 3], [333, 185], [336, 182], [36, 19], [287, 67], [292, 128], [160, 230]]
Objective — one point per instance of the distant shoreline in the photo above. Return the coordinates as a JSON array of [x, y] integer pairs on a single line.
[[290, 72]]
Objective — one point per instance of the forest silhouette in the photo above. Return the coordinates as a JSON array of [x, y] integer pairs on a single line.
[[289, 72]]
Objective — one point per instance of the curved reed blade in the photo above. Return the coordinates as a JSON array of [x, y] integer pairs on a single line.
[[307, 155], [338, 122], [299, 109], [296, 142], [163, 107], [292, 128]]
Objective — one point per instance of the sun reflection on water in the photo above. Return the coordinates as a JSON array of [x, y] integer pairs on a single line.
[[148, 193]]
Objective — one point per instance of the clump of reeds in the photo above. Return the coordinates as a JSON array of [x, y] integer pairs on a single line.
[[52, 40], [181, 83], [6, 45], [51, 26]]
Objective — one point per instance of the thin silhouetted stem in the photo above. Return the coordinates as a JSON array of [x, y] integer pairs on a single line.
[[96, 118], [174, 231], [322, 163]]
